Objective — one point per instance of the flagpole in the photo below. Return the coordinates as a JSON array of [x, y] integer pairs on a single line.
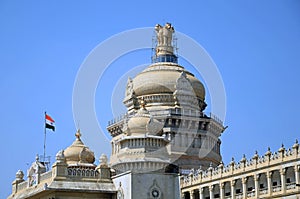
[[45, 137]]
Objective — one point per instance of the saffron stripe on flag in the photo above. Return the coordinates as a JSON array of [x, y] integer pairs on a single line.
[[49, 118], [49, 122]]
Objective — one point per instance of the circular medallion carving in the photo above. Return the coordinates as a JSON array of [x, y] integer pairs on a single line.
[[155, 193]]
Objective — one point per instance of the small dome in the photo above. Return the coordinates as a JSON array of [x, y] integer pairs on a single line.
[[19, 175], [78, 152], [142, 123], [138, 123]]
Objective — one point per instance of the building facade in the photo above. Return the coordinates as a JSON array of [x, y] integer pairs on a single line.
[[73, 175], [164, 127], [272, 175]]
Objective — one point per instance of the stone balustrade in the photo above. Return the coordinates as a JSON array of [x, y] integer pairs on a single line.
[[272, 174]]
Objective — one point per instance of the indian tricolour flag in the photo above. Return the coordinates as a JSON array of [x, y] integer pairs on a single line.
[[49, 122]]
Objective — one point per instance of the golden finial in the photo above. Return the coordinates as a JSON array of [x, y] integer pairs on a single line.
[[78, 134]]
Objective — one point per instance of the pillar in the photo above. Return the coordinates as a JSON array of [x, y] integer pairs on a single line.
[[269, 181], [244, 184], [222, 190], [256, 184], [297, 177], [201, 196], [233, 189], [211, 192], [183, 195], [192, 194], [283, 181]]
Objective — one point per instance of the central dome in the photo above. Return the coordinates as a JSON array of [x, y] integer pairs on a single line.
[[165, 84], [160, 78]]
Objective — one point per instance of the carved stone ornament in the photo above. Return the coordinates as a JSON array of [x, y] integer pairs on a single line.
[[120, 193], [164, 34], [184, 89], [155, 191], [103, 159], [86, 156], [19, 175], [154, 126], [60, 157], [125, 127], [182, 83], [129, 88]]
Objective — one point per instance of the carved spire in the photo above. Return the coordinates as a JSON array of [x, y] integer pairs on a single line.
[[255, 157], [281, 149], [296, 145], [243, 160], [232, 162], [268, 153]]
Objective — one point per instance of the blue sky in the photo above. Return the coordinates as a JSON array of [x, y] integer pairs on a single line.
[[255, 44]]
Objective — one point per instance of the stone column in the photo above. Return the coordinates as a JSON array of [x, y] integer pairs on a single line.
[[187, 140], [269, 181], [179, 140], [283, 181], [211, 192], [183, 195], [192, 194], [222, 190], [201, 196], [256, 184], [244, 184], [297, 177], [233, 189]]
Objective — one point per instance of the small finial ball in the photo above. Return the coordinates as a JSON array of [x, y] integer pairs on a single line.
[[19, 175], [78, 134]]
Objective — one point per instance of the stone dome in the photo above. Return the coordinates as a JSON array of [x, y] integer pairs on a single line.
[[161, 78], [142, 123], [159, 85], [138, 123], [165, 84], [78, 152]]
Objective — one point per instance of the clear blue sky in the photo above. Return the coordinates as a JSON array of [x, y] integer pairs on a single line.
[[255, 44]]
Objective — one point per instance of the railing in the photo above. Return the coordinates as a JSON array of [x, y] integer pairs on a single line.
[[251, 193], [291, 185], [276, 188], [169, 112], [239, 196], [263, 191], [214, 117], [117, 119], [82, 172]]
